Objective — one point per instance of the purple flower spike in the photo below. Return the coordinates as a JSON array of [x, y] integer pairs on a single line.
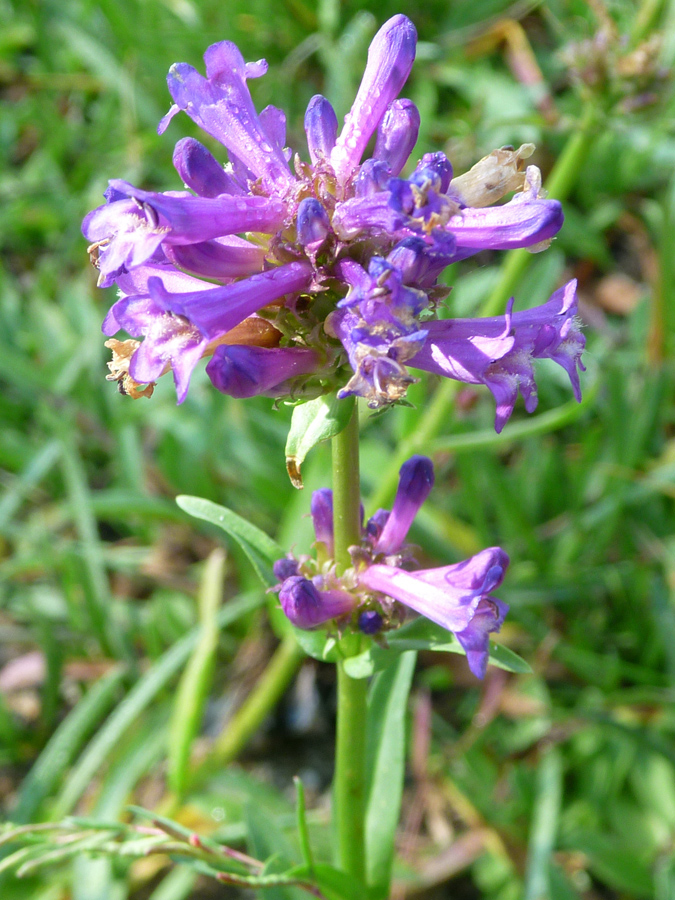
[[321, 127], [243, 371], [456, 597], [201, 171], [221, 104], [307, 607], [416, 480], [322, 516], [341, 257], [390, 59], [313, 224], [397, 134]]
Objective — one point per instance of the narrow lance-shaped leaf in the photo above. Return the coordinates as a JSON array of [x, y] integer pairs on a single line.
[[260, 549], [387, 702]]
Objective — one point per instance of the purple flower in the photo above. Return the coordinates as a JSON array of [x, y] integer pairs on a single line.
[[498, 352], [416, 480], [322, 518], [455, 597], [339, 256], [367, 597], [307, 607], [390, 59], [242, 371], [179, 327]]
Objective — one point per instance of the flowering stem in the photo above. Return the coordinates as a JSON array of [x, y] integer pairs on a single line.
[[346, 491], [349, 787]]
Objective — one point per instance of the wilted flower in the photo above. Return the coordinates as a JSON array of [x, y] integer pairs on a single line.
[[299, 278], [371, 596]]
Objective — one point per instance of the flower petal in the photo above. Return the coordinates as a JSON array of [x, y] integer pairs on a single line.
[[221, 104], [242, 371], [390, 58]]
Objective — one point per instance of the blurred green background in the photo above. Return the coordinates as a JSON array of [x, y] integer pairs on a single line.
[[559, 784]]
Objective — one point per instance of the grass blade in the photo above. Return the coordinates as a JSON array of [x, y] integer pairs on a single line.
[[137, 700]]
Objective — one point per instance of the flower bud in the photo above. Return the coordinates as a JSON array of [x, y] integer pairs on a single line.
[[285, 568], [321, 126], [313, 224], [306, 607], [416, 479], [321, 509], [397, 134]]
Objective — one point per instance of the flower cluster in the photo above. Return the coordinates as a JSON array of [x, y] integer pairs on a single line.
[[301, 277], [372, 595]]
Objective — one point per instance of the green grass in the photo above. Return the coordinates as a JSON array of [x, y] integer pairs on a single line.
[[566, 776]]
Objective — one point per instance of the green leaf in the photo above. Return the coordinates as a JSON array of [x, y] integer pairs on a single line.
[[313, 422], [615, 862], [317, 644], [421, 634], [385, 749], [333, 883], [267, 841], [544, 825], [258, 546]]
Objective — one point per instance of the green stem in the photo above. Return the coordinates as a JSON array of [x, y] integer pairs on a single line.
[[346, 491], [349, 789]]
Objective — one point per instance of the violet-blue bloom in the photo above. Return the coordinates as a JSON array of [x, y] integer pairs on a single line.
[[397, 134], [390, 59], [321, 127], [340, 256], [306, 606], [321, 509], [498, 351], [457, 597], [416, 480], [241, 371]]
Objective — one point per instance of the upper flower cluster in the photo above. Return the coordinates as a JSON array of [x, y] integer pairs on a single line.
[[372, 595], [297, 277]]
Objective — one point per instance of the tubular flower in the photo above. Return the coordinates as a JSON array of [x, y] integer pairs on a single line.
[[372, 595], [304, 277]]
